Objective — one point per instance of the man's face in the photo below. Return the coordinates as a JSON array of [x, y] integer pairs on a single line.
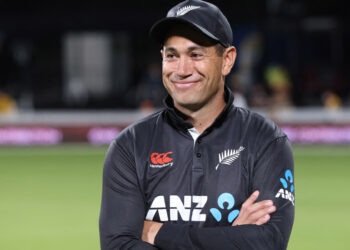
[[192, 73]]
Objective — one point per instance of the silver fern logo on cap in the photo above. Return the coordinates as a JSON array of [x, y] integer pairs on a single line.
[[229, 156], [182, 11]]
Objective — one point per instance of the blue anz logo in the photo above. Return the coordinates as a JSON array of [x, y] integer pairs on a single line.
[[288, 187], [230, 201], [288, 177]]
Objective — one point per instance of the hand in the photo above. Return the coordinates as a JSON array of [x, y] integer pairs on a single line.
[[150, 230], [255, 213]]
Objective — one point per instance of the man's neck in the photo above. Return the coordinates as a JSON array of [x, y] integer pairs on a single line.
[[202, 118]]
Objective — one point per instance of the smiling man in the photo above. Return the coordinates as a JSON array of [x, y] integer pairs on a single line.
[[194, 70], [201, 173]]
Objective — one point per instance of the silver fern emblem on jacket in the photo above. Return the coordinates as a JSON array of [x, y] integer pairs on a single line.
[[229, 156]]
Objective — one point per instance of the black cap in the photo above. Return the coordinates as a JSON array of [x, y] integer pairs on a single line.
[[201, 15]]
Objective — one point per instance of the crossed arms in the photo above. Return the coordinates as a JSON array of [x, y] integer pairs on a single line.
[[255, 213]]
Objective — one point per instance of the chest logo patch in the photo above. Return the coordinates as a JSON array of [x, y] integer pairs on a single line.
[[229, 200], [161, 160], [229, 156]]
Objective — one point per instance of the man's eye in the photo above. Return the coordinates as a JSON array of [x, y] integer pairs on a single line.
[[196, 55], [170, 56]]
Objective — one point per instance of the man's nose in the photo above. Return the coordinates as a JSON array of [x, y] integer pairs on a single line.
[[185, 67]]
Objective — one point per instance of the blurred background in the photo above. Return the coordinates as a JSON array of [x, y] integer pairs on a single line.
[[74, 74], [65, 63]]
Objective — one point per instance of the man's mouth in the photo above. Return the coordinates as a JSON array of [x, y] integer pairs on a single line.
[[184, 84]]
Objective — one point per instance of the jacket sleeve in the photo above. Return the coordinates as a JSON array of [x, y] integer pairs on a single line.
[[272, 165], [122, 208]]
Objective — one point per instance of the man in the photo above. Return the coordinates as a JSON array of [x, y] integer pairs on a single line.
[[201, 173]]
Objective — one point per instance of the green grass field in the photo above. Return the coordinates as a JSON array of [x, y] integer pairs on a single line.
[[50, 197]]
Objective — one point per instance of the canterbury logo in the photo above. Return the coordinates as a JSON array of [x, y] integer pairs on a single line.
[[161, 160], [182, 11], [229, 156]]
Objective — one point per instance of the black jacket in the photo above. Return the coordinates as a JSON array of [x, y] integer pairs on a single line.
[[154, 170]]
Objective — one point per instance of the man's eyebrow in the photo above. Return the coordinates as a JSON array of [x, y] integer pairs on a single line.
[[189, 49], [170, 49], [192, 48]]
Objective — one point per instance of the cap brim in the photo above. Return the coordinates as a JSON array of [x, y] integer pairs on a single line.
[[160, 29]]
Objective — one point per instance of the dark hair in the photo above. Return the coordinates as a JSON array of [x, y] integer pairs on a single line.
[[219, 49]]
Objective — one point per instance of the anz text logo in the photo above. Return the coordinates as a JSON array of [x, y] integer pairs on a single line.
[[288, 187], [229, 200], [190, 208], [178, 208]]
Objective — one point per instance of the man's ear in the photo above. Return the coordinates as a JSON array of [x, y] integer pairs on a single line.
[[229, 58], [161, 53]]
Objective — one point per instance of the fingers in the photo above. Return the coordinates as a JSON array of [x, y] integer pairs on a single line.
[[252, 198], [255, 213], [263, 220], [259, 210]]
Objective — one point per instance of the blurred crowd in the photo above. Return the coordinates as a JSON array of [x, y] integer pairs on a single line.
[[31, 76], [259, 83]]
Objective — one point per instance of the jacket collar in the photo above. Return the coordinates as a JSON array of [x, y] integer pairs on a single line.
[[178, 119]]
